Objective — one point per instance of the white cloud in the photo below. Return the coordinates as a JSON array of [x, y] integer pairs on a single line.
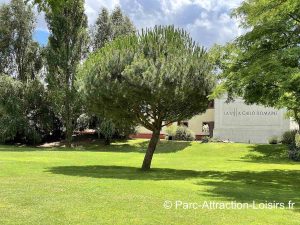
[[41, 23], [171, 6], [208, 21], [201, 23], [92, 7], [225, 18]]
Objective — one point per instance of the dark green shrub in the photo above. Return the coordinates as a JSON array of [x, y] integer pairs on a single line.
[[292, 139], [25, 115], [297, 141], [184, 134], [215, 139], [124, 128], [288, 137], [33, 137], [180, 133], [273, 140], [115, 129], [82, 122], [205, 139], [294, 153], [107, 129], [171, 132]]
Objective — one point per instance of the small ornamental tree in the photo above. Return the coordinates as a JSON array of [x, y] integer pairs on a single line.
[[156, 78]]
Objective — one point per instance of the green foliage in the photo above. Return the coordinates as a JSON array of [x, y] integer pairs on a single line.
[[184, 134], [25, 115], [171, 130], [19, 54], [82, 122], [294, 153], [124, 128], [107, 129], [110, 26], [121, 24], [38, 107], [273, 140], [262, 65], [107, 28], [12, 118], [292, 139], [288, 137], [205, 139], [161, 75], [67, 24], [180, 133], [297, 140], [102, 30]]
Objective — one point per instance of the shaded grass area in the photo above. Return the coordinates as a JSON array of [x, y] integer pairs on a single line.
[[235, 185], [267, 153], [97, 184], [138, 146]]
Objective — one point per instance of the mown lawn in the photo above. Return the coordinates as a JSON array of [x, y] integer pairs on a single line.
[[103, 185]]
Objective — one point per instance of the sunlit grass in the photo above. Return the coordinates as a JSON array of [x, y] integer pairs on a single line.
[[97, 184]]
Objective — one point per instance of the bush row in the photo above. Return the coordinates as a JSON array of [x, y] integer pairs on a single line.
[[180, 133], [292, 140]]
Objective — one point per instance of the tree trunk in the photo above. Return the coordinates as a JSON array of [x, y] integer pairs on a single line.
[[69, 133], [150, 151], [68, 122]]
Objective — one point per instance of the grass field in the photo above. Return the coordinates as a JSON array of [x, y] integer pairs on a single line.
[[103, 185]]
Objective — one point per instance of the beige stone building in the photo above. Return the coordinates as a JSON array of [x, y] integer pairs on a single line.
[[202, 125], [235, 122]]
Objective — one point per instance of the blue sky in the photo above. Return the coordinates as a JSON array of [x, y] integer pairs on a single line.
[[208, 21]]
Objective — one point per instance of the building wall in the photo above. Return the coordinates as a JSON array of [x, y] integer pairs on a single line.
[[195, 124], [239, 122], [236, 122]]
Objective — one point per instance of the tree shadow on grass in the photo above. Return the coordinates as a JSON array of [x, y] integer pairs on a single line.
[[117, 146], [268, 154], [240, 186], [266, 186], [121, 172], [140, 147]]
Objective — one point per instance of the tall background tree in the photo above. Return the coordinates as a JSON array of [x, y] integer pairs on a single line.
[[156, 78], [110, 26], [102, 30], [25, 115], [263, 65], [68, 38], [20, 55]]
